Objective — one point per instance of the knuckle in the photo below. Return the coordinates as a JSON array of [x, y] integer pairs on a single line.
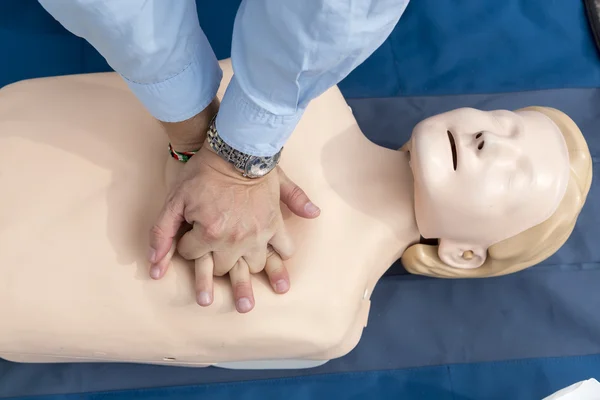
[[157, 232], [276, 271], [173, 202], [296, 193], [185, 250], [171, 205], [256, 265], [255, 269], [241, 288], [205, 257], [185, 253], [287, 255], [238, 235], [219, 270], [203, 281], [255, 231], [214, 230]]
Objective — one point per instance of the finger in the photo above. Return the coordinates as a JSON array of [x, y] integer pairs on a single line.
[[225, 261], [256, 260], [277, 273], [158, 270], [295, 198], [282, 242], [192, 245], [204, 280], [242, 288], [165, 229]]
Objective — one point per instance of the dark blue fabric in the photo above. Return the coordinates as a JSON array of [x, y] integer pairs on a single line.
[[471, 46], [519, 380], [439, 47]]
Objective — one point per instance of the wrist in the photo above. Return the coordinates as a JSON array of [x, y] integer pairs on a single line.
[[219, 164], [190, 135], [246, 165]]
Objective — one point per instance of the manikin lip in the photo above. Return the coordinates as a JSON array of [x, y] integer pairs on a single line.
[[453, 149]]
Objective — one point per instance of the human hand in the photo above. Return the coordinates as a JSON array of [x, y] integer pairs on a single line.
[[237, 226]]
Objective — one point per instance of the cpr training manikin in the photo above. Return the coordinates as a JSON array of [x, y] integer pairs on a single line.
[[82, 167]]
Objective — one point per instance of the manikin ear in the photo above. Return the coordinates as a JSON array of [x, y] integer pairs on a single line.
[[461, 255]]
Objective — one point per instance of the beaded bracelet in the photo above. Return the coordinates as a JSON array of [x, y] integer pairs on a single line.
[[182, 156]]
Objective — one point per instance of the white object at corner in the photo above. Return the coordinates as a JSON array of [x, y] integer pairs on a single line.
[[584, 390]]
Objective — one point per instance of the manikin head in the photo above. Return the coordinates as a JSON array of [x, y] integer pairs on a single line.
[[499, 190]]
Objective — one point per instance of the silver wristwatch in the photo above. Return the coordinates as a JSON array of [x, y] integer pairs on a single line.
[[248, 165]]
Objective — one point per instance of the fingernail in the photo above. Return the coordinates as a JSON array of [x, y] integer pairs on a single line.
[[151, 255], [155, 272], [311, 208], [281, 286], [204, 298], [244, 305]]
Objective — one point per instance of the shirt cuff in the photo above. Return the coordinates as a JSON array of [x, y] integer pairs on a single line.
[[184, 94], [249, 128]]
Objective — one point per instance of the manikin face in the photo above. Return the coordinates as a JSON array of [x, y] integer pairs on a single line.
[[482, 177]]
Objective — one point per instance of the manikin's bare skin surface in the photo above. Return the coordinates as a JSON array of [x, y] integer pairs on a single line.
[[85, 166], [82, 167]]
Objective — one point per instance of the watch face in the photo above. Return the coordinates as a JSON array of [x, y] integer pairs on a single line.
[[257, 167]]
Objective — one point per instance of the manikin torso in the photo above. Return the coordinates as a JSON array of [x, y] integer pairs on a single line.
[[82, 170]]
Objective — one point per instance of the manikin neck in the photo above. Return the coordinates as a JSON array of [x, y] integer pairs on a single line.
[[390, 176]]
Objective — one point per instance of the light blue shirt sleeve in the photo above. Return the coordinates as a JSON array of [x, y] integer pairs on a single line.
[[284, 54], [157, 46]]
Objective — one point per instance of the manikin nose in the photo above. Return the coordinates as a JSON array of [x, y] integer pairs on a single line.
[[480, 140], [473, 140]]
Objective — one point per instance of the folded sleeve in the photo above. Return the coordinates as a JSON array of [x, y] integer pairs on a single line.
[[287, 52]]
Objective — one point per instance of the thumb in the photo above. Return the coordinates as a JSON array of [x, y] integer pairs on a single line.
[[295, 198], [162, 235]]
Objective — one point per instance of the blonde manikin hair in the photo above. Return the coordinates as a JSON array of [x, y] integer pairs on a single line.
[[534, 245]]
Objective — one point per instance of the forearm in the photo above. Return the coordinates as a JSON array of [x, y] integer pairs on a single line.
[[287, 52]]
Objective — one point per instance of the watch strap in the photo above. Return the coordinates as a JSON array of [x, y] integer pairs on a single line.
[[235, 157], [249, 165]]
